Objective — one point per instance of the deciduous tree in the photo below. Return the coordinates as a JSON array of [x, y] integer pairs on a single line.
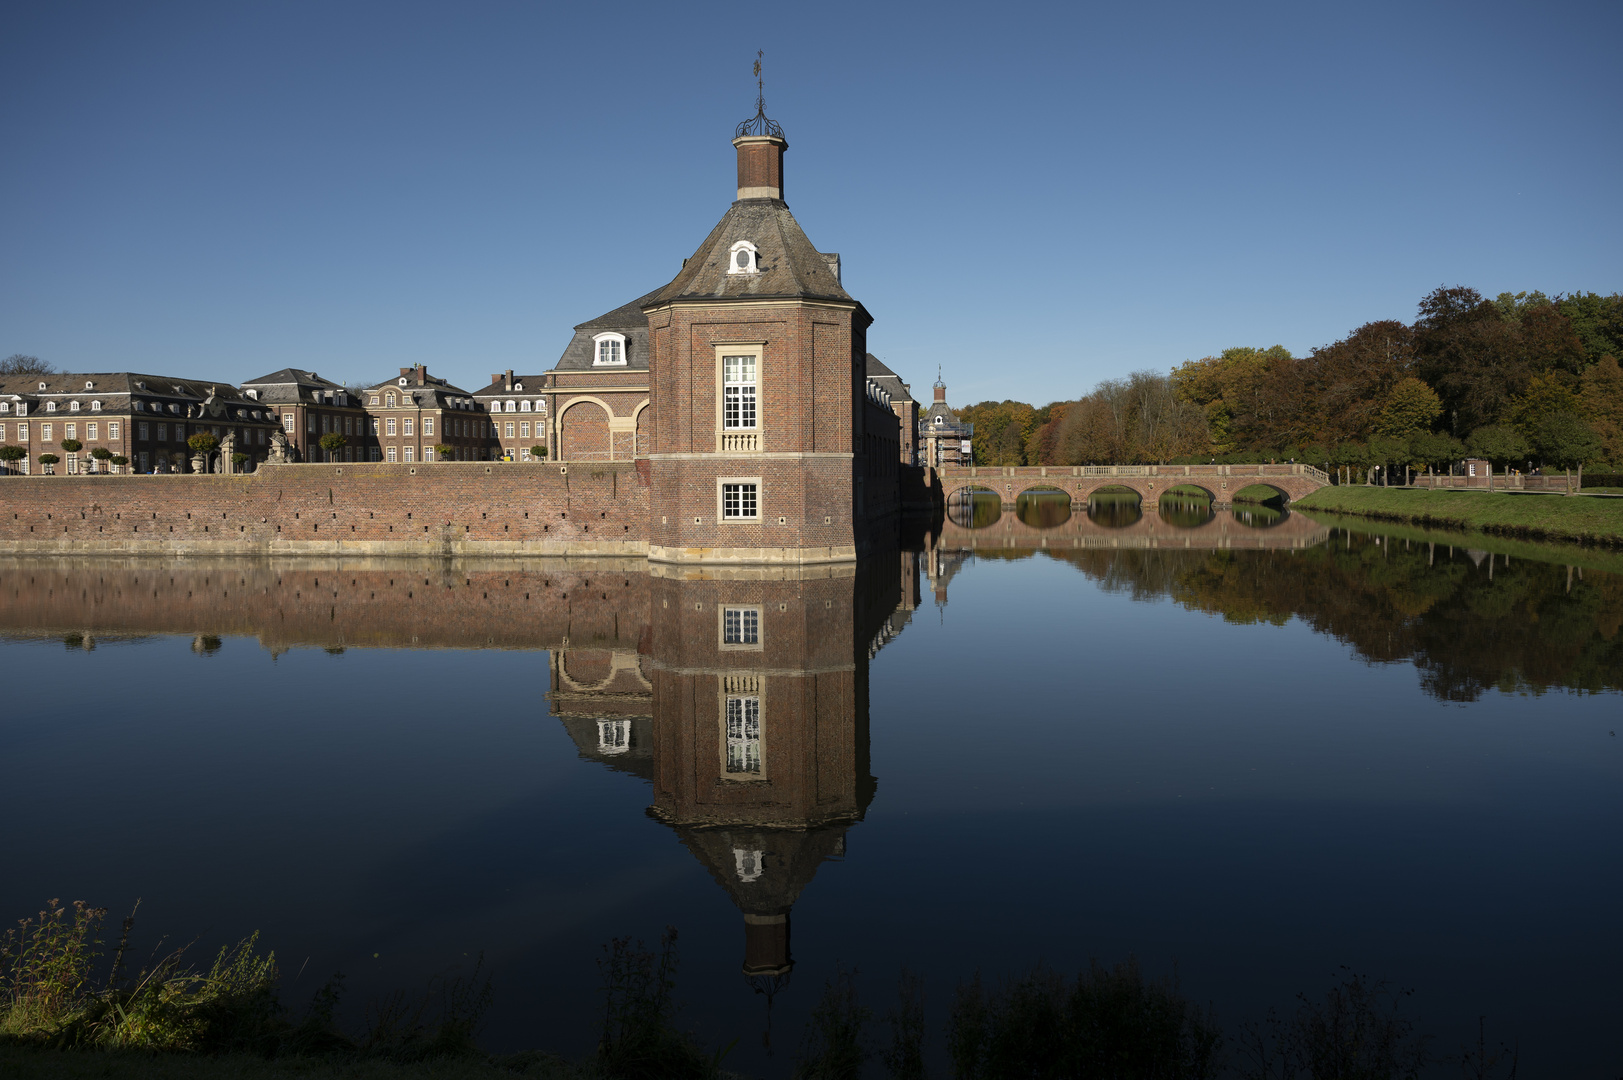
[[1411, 408]]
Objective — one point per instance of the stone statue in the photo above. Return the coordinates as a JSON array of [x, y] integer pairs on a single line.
[[280, 452]]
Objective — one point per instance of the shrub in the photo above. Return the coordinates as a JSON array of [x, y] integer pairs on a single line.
[[1359, 1030], [120, 460], [1109, 1022], [640, 1037], [203, 442], [48, 459], [539, 453], [444, 451], [72, 446]]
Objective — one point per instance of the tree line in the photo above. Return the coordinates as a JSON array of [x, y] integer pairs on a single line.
[[1522, 380]]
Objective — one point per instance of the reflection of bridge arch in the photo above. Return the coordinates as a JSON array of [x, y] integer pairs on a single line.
[[1044, 507], [974, 506], [1223, 530], [618, 661], [1149, 482]]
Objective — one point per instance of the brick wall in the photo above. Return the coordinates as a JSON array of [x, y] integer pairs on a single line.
[[442, 508]]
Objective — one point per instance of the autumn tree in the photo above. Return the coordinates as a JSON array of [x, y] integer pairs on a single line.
[[1411, 408], [1500, 444], [1546, 395], [1601, 398]]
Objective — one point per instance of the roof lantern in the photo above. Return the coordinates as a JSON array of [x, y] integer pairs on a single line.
[[940, 387], [760, 145]]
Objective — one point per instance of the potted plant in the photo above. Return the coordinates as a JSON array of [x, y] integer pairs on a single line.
[[332, 443], [538, 453], [11, 455], [49, 461], [102, 455], [444, 451], [239, 460], [119, 461]]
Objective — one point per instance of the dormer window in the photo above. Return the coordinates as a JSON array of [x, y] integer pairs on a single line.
[[610, 350], [73, 406], [89, 385], [95, 406], [42, 386], [50, 406], [252, 395], [402, 380], [518, 386], [388, 399], [743, 258], [938, 420], [524, 406]]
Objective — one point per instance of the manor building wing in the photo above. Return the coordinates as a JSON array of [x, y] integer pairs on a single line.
[[417, 417]]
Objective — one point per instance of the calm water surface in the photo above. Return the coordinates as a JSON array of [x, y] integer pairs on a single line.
[[1245, 764]]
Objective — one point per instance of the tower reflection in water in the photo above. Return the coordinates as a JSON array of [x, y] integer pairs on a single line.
[[746, 709]]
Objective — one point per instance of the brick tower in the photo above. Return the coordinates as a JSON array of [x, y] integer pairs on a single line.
[[757, 387]]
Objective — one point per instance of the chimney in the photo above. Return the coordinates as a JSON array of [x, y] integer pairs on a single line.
[[509, 378], [421, 371], [496, 378], [760, 166]]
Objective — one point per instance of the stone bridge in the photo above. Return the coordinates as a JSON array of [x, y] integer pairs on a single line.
[[1224, 530], [1148, 482]]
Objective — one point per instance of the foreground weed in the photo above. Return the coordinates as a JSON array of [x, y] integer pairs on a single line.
[[1358, 1032], [904, 1058], [834, 1046], [640, 1038], [1109, 1022]]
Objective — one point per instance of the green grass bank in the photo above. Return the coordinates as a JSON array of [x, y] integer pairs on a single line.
[[1256, 493], [1576, 519]]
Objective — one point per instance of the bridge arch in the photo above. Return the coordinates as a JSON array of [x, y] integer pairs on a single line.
[[974, 506], [1044, 506]]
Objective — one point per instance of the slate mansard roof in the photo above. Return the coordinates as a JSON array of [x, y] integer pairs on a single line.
[[116, 390], [790, 266], [887, 380], [290, 386], [626, 319]]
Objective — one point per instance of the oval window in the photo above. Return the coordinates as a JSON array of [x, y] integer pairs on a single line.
[[743, 258]]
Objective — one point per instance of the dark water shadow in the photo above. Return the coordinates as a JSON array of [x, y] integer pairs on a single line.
[[975, 509], [1114, 509], [1043, 509], [1259, 515]]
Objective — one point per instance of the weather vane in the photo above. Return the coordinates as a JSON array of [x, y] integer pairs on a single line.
[[759, 124]]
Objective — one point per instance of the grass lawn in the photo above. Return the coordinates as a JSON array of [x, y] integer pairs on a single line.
[[1537, 516]]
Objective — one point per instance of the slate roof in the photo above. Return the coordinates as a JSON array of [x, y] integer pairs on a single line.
[[887, 379], [116, 389], [627, 319], [790, 265], [435, 393], [290, 386], [533, 385]]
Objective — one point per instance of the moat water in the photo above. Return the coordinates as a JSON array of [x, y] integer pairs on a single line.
[[1301, 746]]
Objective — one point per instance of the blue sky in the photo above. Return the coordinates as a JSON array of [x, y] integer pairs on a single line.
[[1035, 197]]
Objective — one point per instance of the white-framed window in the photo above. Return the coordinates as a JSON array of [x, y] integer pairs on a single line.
[[389, 400], [743, 258], [749, 863], [287, 422], [73, 406], [373, 400], [743, 721], [740, 627], [428, 425], [95, 406], [509, 429], [72, 431], [406, 429], [739, 390], [112, 429], [45, 432], [410, 453], [90, 431], [22, 432], [740, 498], [609, 350], [524, 429], [613, 736], [510, 406], [524, 453], [50, 406], [390, 426], [392, 453], [524, 406]]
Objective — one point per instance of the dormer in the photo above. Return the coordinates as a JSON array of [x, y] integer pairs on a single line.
[[743, 258], [609, 349]]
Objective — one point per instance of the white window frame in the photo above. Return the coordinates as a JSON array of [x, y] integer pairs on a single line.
[[742, 482], [406, 426], [742, 750], [428, 425], [751, 262], [741, 622], [392, 455], [613, 736], [112, 429], [608, 350]]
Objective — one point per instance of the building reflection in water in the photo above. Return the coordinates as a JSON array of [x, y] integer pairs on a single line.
[[746, 708]]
